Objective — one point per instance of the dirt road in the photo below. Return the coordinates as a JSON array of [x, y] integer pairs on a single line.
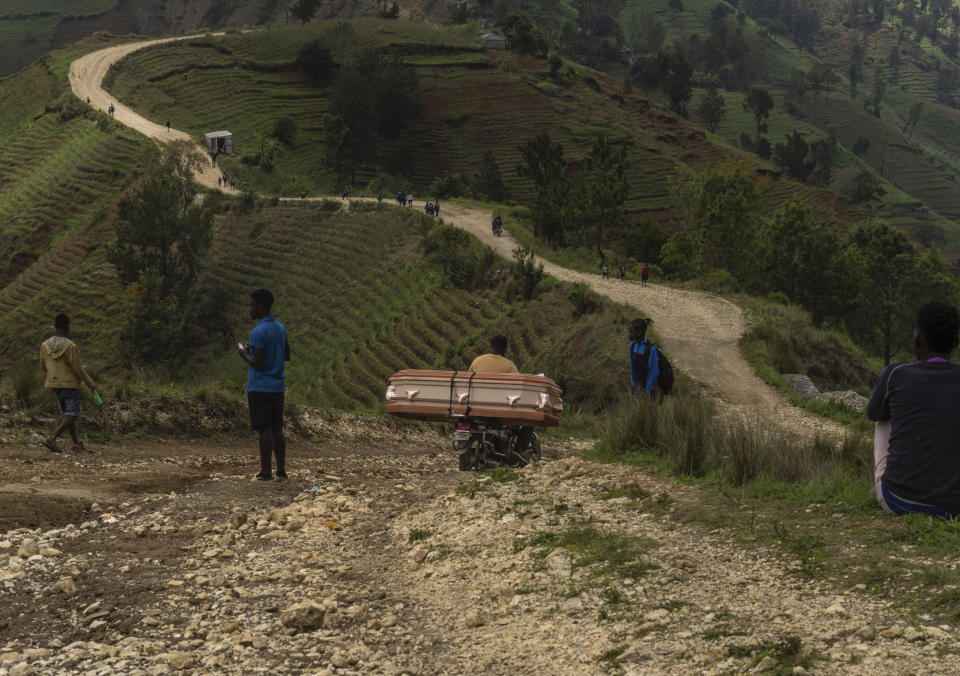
[[699, 330], [379, 557]]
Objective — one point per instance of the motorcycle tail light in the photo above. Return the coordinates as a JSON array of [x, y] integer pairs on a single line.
[[463, 426]]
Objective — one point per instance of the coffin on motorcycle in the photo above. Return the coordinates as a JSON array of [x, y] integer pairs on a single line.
[[503, 398]]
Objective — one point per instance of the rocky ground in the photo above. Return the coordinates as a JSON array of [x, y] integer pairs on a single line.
[[379, 557]]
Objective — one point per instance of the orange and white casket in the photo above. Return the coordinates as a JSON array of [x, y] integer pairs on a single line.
[[505, 398]]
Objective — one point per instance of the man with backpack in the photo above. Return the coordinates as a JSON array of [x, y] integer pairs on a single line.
[[650, 371]]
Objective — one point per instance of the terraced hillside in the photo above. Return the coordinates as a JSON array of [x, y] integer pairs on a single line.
[[360, 303], [919, 166], [475, 101], [60, 173]]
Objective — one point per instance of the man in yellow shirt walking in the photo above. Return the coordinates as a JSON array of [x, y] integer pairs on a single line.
[[60, 359]]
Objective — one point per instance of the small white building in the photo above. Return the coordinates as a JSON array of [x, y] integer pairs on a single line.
[[493, 41], [219, 141]]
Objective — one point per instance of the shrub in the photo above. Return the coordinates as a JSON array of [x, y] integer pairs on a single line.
[[583, 299], [444, 187], [463, 262], [284, 130], [682, 256], [527, 272], [26, 382], [315, 61], [719, 281]]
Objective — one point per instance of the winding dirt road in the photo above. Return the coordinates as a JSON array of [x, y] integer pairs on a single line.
[[700, 331]]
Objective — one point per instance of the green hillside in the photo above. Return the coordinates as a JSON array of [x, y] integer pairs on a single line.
[[474, 101]]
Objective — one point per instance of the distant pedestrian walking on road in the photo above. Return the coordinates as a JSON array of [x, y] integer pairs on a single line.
[[605, 271], [644, 275], [436, 208], [623, 271], [110, 109], [168, 125], [379, 195], [266, 356], [60, 359], [346, 193]]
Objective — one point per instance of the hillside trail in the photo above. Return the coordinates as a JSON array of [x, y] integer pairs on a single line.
[[699, 331]]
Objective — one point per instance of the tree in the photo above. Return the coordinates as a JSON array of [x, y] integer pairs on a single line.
[[946, 85], [879, 88], [488, 181], [861, 146], [865, 187], [682, 256], [712, 109], [677, 78], [791, 155], [820, 79], [806, 261], [342, 40], [159, 227], [543, 163], [163, 238], [337, 148], [824, 152], [527, 272], [914, 118], [305, 10], [759, 103], [889, 262], [315, 61], [602, 189], [724, 202]]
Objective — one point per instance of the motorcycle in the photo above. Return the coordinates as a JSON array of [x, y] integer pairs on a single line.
[[480, 443], [497, 226]]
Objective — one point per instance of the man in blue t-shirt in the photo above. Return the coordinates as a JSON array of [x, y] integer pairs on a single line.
[[266, 355], [644, 359]]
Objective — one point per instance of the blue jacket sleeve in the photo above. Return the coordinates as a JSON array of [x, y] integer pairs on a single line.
[[653, 368], [633, 372]]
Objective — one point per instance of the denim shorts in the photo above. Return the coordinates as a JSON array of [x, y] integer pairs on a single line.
[[69, 400], [900, 505]]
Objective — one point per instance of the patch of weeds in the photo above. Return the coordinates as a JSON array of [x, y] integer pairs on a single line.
[[807, 547], [734, 650], [417, 534], [616, 554], [718, 631], [560, 508], [472, 488], [523, 591], [503, 475], [631, 490], [610, 656], [670, 606]]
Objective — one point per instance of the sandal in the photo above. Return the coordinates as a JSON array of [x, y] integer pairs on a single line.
[[52, 446], [78, 447]]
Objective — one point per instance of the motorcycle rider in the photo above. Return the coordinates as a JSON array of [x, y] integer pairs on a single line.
[[497, 224], [496, 362]]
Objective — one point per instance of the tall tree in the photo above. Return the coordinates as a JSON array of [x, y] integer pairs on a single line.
[[758, 103], [163, 238], [723, 202], [602, 189], [488, 181], [305, 10], [889, 262], [543, 163], [712, 109], [806, 260]]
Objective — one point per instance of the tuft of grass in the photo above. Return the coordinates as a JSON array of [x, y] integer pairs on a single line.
[[610, 553], [631, 490], [417, 534]]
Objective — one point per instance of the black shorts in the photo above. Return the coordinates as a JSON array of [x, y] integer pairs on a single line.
[[266, 410]]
